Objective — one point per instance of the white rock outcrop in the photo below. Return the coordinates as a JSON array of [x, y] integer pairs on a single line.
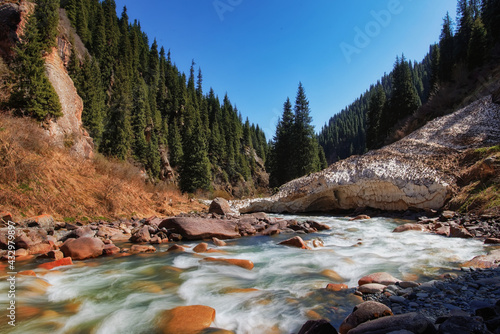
[[411, 173]]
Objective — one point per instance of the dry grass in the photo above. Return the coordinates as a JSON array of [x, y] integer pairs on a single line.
[[37, 178]]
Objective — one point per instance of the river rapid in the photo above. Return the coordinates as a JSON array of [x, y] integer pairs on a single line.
[[285, 289]]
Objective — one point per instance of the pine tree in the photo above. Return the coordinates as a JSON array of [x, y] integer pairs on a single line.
[[175, 147], [446, 47], [195, 170], [47, 16], [306, 149], [140, 109], [464, 29], [435, 63], [91, 90], [404, 98], [32, 94], [476, 54], [374, 136], [117, 138]]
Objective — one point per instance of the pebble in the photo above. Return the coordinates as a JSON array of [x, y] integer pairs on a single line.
[[467, 292]]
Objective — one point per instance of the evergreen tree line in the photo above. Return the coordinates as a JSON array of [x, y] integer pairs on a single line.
[[33, 94], [366, 123], [138, 105], [294, 150]]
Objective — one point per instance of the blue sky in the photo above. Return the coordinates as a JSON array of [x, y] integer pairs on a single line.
[[258, 51]]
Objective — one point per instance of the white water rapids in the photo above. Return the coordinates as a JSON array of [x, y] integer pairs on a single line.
[[126, 294]]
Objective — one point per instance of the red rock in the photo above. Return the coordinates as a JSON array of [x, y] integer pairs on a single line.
[[295, 242], [408, 227], [492, 260], [362, 313], [186, 319], [21, 252], [443, 230], [43, 221], [336, 287], [371, 288], [360, 217], [492, 241], [318, 226], [459, 232], [201, 228], [220, 206], [110, 249], [42, 248], [218, 242], [380, 278], [6, 217], [142, 249], [246, 264], [201, 248], [141, 235], [271, 230], [27, 273], [53, 254], [62, 262], [82, 248], [156, 240], [176, 248]]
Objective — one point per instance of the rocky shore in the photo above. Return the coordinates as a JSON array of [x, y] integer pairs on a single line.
[[463, 302]]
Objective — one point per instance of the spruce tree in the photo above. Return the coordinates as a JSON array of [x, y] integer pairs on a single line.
[[117, 138], [435, 63], [305, 152], [195, 169], [476, 54], [140, 109], [446, 47], [374, 135], [32, 94], [175, 145], [47, 16], [464, 29]]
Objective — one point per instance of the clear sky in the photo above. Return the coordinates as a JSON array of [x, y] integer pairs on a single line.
[[257, 51]]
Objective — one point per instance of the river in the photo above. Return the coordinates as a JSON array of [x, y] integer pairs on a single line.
[[284, 290]]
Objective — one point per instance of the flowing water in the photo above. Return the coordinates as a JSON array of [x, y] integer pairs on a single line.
[[284, 290]]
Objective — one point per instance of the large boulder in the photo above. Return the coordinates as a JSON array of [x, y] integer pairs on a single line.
[[295, 242], [220, 206], [410, 173], [201, 228], [186, 319], [317, 327], [412, 322], [362, 313], [83, 248], [141, 235], [380, 278]]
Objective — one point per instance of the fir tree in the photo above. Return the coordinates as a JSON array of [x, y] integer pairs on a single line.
[[117, 139], [436, 58], [175, 141], [32, 93], [47, 16], [305, 142], [446, 47], [374, 136], [476, 54]]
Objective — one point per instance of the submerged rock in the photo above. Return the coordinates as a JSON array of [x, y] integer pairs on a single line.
[[380, 278], [246, 264], [186, 319], [295, 242]]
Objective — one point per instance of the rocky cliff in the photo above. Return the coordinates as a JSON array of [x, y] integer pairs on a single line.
[[415, 172], [67, 130]]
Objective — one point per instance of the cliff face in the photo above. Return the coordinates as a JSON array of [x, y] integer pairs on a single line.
[[66, 130], [415, 172]]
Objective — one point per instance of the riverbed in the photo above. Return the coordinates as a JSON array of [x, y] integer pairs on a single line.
[[285, 288]]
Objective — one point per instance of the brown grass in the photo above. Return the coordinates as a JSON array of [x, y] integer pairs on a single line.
[[37, 178]]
